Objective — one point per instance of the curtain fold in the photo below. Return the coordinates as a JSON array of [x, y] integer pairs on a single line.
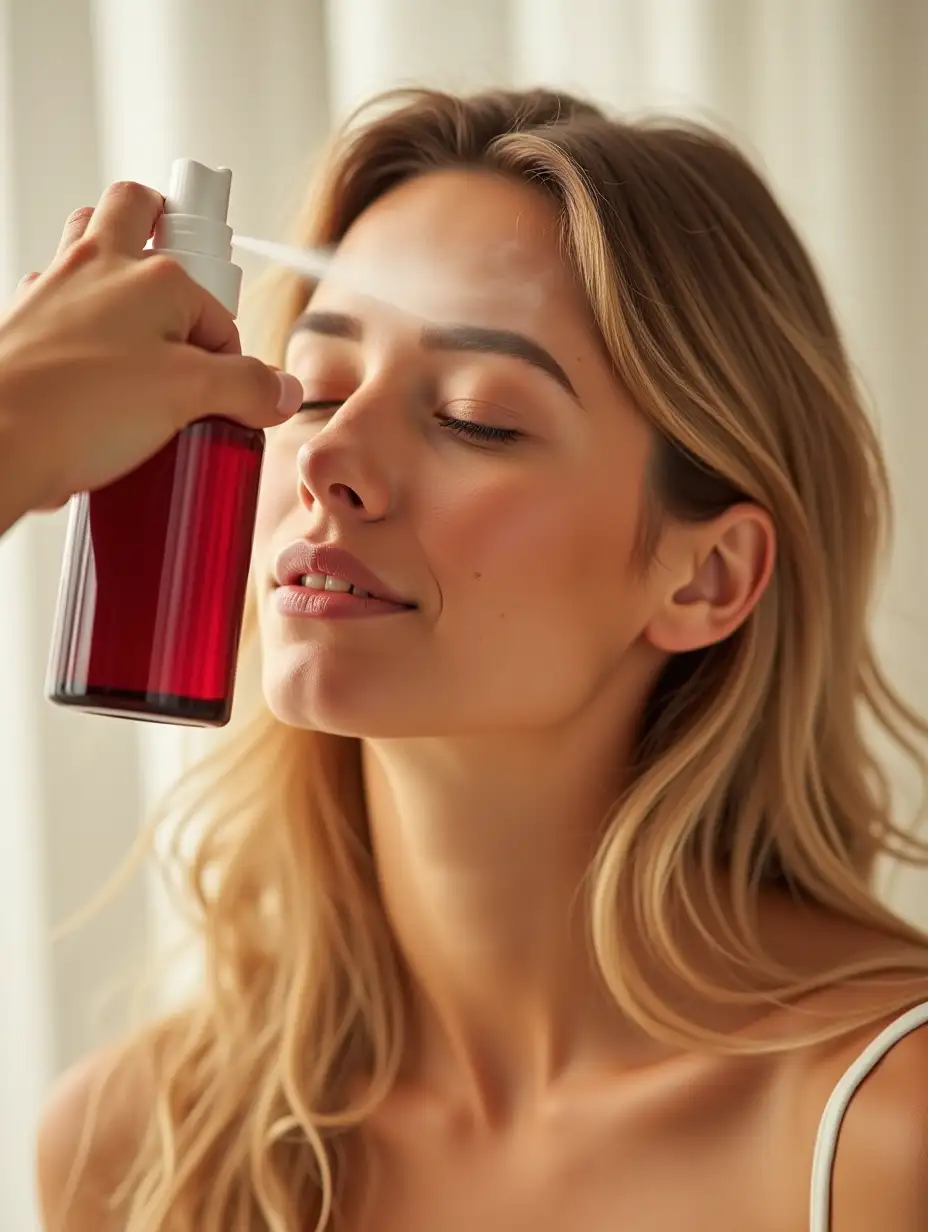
[[830, 95]]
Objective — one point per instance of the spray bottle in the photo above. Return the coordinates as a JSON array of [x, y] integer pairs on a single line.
[[156, 564]]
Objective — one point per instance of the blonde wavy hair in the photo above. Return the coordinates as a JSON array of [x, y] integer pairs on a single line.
[[753, 755]]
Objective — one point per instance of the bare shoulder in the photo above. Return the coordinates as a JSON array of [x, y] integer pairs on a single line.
[[880, 1177], [92, 1124]]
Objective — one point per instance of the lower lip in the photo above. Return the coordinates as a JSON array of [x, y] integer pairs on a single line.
[[331, 604]]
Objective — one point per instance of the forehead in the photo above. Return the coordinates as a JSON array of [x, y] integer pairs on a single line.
[[459, 245]]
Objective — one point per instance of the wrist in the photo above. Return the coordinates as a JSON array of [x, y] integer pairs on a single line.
[[25, 484]]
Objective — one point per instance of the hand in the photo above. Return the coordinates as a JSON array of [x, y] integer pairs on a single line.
[[106, 356]]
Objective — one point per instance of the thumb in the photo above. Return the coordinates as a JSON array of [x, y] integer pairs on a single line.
[[245, 389]]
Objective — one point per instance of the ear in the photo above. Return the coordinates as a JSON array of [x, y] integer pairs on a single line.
[[724, 566]]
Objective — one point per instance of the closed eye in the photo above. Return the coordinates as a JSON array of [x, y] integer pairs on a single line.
[[463, 427], [479, 431]]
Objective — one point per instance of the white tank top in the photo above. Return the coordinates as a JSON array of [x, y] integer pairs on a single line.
[[826, 1142]]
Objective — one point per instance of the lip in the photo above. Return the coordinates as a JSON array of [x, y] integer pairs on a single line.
[[303, 557], [332, 604]]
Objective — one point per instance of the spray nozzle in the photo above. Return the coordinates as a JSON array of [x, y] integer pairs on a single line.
[[193, 228], [196, 189]]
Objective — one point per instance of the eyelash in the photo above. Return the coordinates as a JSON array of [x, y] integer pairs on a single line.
[[479, 431], [462, 427]]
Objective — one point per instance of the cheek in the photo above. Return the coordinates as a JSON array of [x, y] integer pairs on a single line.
[[525, 540], [484, 536]]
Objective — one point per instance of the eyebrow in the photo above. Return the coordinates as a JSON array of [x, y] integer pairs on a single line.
[[446, 338]]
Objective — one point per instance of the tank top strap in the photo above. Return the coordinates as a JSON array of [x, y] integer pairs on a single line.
[[826, 1141]]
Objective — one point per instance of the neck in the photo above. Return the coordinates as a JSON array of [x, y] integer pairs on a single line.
[[482, 848]]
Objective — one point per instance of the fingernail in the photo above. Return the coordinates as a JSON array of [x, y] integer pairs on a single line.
[[291, 395]]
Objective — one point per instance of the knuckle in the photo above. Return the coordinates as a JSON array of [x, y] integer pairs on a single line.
[[79, 217], [162, 270], [82, 251], [131, 192]]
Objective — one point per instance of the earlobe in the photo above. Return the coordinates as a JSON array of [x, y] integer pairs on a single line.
[[729, 565]]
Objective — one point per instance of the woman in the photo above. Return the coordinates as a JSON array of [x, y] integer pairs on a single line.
[[536, 891]]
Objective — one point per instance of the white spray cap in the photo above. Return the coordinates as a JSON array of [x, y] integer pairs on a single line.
[[196, 189], [193, 228]]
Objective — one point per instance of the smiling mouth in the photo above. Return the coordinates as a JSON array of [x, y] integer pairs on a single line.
[[328, 569], [322, 597]]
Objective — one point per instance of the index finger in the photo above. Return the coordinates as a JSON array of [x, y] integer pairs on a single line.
[[125, 218]]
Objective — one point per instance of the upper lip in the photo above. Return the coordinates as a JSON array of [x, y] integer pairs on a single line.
[[303, 557]]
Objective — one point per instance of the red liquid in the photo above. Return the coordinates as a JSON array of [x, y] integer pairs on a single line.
[[154, 580]]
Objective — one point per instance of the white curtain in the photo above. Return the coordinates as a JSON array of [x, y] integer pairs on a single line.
[[830, 94]]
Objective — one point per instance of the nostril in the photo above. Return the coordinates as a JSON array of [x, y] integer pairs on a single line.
[[342, 490]]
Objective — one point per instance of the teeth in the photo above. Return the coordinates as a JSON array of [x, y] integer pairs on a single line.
[[321, 581]]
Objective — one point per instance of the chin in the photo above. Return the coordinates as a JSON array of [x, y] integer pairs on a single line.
[[305, 691]]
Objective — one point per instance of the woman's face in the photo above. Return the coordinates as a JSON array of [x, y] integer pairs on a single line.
[[473, 451]]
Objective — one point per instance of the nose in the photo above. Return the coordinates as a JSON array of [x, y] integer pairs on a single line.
[[338, 472]]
